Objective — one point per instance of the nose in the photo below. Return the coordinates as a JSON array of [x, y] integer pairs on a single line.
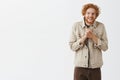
[[91, 15]]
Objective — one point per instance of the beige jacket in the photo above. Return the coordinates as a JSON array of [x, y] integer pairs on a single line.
[[81, 50]]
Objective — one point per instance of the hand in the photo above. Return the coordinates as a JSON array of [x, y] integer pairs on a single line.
[[89, 33]]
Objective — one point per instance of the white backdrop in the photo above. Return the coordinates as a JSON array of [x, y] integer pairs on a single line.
[[34, 36]]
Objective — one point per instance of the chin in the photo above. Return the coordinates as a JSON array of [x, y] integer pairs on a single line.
[[91, 22]]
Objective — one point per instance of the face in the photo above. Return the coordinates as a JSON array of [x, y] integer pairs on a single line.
[[90, 16]]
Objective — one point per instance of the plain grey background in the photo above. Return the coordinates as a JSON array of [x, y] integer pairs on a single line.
[[34, 36]]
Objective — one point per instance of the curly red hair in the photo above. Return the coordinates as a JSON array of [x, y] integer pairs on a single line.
[[90, 5]]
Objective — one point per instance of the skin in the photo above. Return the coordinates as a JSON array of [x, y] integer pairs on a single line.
[[90, 17]]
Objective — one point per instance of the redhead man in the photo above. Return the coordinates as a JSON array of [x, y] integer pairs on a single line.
[[88, 40]]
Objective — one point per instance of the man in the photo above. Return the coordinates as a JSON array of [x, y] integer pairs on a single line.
[[88, 40]]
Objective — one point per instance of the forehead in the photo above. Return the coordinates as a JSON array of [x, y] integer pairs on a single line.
[[92, 10]]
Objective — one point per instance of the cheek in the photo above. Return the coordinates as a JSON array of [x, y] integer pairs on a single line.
[[95, 16], [86, 16]]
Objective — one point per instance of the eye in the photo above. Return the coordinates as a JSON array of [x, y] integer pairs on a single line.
[[88, 12]]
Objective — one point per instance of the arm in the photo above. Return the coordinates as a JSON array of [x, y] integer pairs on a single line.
[[76, 43], [102, 42]]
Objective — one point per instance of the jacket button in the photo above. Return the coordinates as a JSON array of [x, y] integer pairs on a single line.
[[85, 56]]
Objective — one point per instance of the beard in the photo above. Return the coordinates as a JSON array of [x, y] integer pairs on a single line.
[[89, 21]]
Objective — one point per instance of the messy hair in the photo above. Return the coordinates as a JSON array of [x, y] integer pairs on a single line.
[[90, 5]]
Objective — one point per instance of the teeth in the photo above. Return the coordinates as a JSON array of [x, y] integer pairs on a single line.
[[90, 19]]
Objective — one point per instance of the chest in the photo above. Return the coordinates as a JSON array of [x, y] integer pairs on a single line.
[[96, 30]]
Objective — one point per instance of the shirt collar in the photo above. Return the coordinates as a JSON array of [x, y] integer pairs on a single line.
[[83, 24]]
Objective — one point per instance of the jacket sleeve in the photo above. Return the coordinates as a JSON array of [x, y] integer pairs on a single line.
[[75, 42], [102, 41]]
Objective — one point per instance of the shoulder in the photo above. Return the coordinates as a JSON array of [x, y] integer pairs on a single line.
[[99, 24], [77, 24]]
